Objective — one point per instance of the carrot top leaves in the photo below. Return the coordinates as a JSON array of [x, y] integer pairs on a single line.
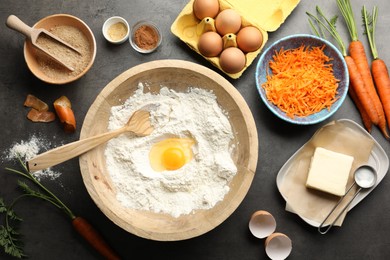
[[347, 12], [9, 235], [329, 25], [369, 21]]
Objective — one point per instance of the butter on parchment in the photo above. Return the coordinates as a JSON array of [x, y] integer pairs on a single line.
[[329, 171]]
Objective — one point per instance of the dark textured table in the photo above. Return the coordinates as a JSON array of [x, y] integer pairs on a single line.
[[47, 233]]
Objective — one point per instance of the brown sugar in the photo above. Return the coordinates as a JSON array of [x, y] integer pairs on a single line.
[[146, 37], [78, 61]]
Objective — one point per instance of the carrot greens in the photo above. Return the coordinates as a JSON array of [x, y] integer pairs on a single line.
[[356, 90], [327, 24], [369, 21], [347, 12], [9, 235], [10, 239]]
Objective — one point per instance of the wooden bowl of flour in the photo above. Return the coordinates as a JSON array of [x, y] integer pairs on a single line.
[[179, 76]]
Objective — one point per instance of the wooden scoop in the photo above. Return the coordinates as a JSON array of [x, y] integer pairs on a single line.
[[139, 124], [33, 34]]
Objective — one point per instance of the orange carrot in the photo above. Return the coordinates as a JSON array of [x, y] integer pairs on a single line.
[[357, 52], [91, 235], [357, 90], [363, 113], [378, 67], [356, 49], [302, 82], [358, 86], [63, 108], [382, 81]]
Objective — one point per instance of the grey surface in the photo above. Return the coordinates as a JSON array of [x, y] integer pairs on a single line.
[[47, 233]]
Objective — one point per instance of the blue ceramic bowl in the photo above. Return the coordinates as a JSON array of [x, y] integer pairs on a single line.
[[292, 42]]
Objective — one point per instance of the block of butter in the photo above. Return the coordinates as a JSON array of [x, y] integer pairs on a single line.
[[329, 171]]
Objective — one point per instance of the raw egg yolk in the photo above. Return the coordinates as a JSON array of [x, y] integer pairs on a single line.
[[171, 154], [173, 158]]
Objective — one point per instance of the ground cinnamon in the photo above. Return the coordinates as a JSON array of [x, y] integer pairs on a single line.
[[146, 37]]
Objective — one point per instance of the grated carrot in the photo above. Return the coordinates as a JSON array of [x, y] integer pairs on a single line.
[[302, 81]]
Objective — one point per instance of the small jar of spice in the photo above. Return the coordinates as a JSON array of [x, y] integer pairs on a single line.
[[145, 37], [116, 30]]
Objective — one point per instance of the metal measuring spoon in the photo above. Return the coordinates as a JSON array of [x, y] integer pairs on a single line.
[[365, 177]]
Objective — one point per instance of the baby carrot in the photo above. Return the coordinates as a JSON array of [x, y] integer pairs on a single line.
[[91, 235], [378, 66]]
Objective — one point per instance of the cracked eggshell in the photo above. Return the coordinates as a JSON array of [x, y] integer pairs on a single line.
[[262, 224], [278, 246]]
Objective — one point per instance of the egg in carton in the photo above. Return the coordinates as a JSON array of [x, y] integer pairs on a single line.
[[265, 15]]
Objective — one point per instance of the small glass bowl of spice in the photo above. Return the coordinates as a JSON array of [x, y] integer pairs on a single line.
[[145, 37], [116, 30]]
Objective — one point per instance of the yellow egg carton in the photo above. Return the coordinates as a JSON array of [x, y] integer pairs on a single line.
[[266, 15]]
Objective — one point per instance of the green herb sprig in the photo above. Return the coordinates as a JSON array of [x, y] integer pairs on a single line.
[[10, 238]]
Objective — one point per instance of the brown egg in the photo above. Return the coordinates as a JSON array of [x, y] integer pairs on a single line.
[[210, 44], [232, 60], [228, 21], [206, 8], [249, 39]]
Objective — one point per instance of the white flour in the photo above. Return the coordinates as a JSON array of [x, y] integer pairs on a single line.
[[199, 184], [26, 150]]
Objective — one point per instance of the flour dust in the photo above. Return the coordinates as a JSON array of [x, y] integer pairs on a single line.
[[26, 150]]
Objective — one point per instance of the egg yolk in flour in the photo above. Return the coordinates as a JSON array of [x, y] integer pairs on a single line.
[[171, 154]]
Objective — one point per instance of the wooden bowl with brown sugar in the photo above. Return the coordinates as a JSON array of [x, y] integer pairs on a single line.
[[71, 30], [178, 76]]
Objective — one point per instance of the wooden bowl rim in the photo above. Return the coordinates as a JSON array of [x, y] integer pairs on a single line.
[[195, 228]]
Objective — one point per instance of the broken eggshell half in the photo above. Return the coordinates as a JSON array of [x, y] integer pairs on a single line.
[[262, 224], [278, 246]]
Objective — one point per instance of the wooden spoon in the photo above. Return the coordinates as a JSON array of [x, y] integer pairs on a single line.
[[139, 124], [33, 34]]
